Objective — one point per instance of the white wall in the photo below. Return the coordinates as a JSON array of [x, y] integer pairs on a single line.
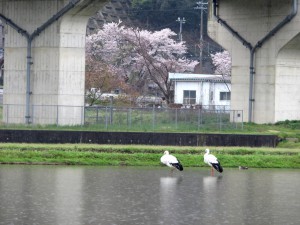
[[203, 90]]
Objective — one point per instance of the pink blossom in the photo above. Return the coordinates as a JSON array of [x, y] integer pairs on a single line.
[[222, 63], [134, 52]]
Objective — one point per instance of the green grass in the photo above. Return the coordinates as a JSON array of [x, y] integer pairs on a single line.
[[288, 131], [286, 155], [282, 129], [143, 155]]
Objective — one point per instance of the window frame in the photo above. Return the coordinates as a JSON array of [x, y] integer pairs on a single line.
[[225, 96], [189, 97]]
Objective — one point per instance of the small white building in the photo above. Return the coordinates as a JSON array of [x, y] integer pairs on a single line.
[[204, 90]]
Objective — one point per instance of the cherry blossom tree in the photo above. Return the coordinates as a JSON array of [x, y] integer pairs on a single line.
[[98, 79], [222, 63], [140, 55]]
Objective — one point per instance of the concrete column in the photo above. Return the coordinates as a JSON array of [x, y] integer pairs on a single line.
[[277, 71], [58, 61]]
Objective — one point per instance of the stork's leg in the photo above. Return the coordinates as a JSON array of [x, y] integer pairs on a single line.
[[171, 172], [212, 171]]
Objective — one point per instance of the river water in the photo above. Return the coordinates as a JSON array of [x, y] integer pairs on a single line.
[[82, 195]]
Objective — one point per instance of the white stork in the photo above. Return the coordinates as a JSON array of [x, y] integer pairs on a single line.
[[171, 161], [213, 162]]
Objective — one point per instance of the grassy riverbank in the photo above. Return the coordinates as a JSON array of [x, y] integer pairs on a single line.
[[286, 155], [141, 155], [284, 129]]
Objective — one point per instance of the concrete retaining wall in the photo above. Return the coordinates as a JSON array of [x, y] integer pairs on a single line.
[[175, 139]]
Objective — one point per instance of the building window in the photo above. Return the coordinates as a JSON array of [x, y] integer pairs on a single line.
[[225, 95], [189, 97]]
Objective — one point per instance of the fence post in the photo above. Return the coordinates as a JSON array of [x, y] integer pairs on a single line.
[[141, 115], [198, 118], [7, 111], [234, 119], [106, 119], [57, 114], [130, 118], [127, 117], [242, 120], [82, 115], [220, 119], [111, 110], [176, 118], [32, 116], [84, 119], [153, 117], [97, 115]]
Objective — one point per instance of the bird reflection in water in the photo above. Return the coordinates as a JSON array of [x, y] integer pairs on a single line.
[[212, 199], [169, 189], [210, 182]]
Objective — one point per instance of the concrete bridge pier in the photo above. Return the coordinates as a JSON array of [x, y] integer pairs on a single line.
[[45, 59], [263, 37]]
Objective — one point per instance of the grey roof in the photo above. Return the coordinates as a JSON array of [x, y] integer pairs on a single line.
[[198, 77]]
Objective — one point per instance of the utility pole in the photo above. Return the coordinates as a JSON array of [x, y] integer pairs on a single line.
[[181, 21], [202, 6]]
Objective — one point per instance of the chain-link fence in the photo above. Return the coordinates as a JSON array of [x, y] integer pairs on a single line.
[[163, 119], [43, 114], [110, 118]]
